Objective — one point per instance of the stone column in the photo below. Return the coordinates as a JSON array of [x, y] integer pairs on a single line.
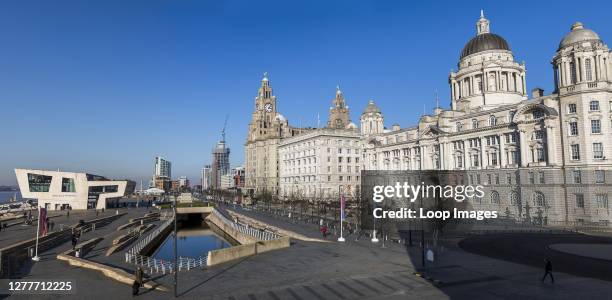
[[502, 154], [483, 159], [523, 147], [465, 156], [551, 148]]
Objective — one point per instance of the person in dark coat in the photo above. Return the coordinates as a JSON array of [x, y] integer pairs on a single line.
[[138, 281], [74, 241], [548, 271]]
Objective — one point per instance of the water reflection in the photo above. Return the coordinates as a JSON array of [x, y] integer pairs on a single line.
[[191, 242]]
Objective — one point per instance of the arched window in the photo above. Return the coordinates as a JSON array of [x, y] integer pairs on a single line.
[[538, 199], [573, 72], [494, 197], [588, 71], [474, 123], [459, 126], [537, 114], [492, 120], [514, 198]]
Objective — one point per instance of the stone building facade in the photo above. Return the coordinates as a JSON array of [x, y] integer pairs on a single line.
[[543, 158], [266, 129], [323, 163]]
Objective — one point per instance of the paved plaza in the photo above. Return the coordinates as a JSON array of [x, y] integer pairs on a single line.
[[326, 270]]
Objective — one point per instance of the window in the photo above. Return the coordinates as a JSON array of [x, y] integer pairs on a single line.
[[541, 154], [474, 123], [39, 183], [541, 175], [511, 116], [588, 71], [601, 200], [572, 72], [494, 159], [571, 108], [600, 176], [538, 135], [509, 178], [492, 120], [538, 199], [573, 128], [579, 200], [595, 126], [340, 159], [475, 160], [458, 126], [68, 185], [598, 151], [575, 151], [531, 178], [514, 198], [594, 105], [577, 176], [537, 114], [494, 197]]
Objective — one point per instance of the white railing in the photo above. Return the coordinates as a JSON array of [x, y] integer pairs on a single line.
[[256, 233], [156, 265], [147, 239]]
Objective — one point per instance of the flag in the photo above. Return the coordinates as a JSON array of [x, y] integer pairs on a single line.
[[342, 204], [42, 221]]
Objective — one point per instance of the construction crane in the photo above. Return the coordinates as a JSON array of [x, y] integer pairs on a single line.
[[224, 126]]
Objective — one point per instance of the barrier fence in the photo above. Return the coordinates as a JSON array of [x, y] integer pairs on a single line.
[[256, 233], [156, 265]]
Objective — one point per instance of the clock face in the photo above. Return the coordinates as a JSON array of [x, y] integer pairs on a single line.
[[268, 107]]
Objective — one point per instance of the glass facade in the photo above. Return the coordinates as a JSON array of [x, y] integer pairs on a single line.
[[39, 183], [68, 185]]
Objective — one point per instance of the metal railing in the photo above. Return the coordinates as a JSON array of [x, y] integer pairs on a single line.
[[147, 239], [156, 265], [256, 233]]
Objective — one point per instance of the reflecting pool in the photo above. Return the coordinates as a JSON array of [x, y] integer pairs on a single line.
[[192, 243]]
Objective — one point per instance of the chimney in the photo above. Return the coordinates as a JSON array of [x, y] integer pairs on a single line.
[[395, 127], [537, 93]]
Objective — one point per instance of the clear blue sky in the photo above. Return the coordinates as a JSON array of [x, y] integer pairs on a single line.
[[104, 86]]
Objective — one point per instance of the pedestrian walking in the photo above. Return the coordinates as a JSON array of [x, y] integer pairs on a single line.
[[138, 281], [548, 271], [68, 214], [324, 231], [74, 241]]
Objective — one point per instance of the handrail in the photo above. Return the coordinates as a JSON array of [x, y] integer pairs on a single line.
[[256, 233], [156, 265]]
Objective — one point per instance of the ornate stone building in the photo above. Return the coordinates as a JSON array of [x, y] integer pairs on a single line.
[[325, 162], [545, 159], [266, 129]]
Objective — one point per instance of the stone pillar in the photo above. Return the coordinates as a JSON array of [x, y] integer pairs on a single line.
[[551, 148], [523, 147], [502, 154], [524, 85], [465, 156], [483, 159]]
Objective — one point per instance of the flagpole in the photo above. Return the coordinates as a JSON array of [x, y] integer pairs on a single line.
[[341, 238], [36, 258]]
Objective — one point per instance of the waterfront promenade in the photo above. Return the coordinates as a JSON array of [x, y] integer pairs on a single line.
[[326, 270]]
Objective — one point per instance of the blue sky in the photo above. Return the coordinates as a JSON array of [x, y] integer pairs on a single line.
[[104, 86]]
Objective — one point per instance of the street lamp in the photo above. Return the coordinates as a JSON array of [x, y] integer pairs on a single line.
[[175, 251]]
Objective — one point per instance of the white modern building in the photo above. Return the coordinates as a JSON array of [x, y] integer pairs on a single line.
[[57, 190], [163, 167], [206, 177]]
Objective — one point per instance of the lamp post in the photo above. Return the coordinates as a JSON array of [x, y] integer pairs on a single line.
[[175, 252]]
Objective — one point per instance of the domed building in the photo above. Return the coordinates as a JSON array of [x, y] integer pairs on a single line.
[[543, 159], [487, 76]]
